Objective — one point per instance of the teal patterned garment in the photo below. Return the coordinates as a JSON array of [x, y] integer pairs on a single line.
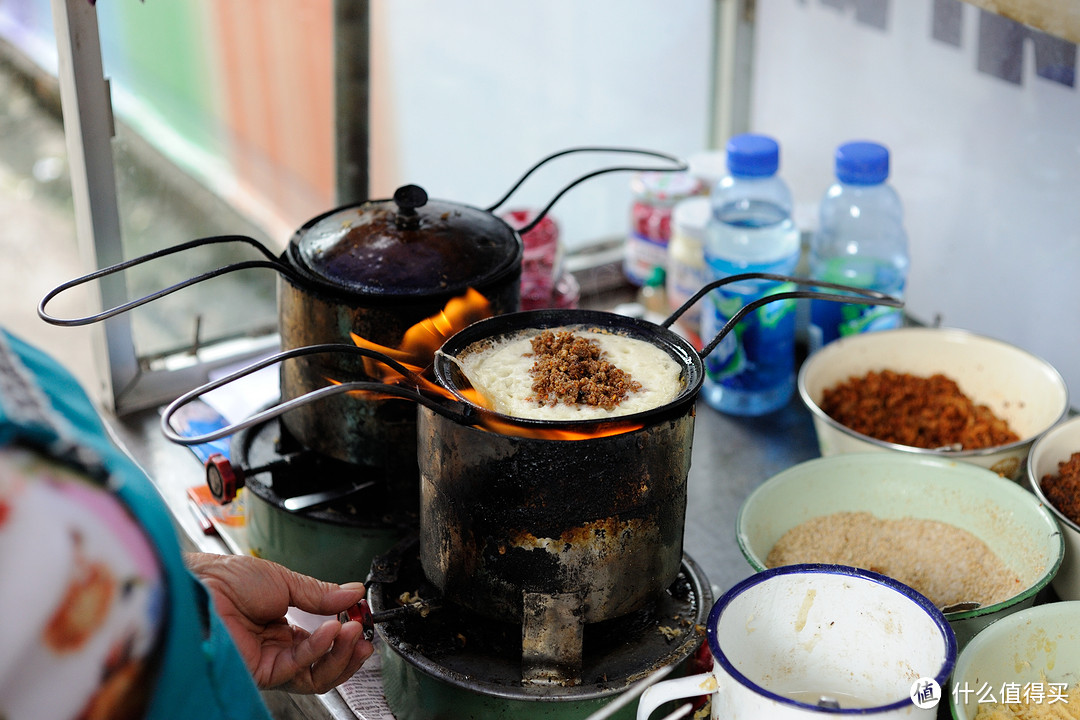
[[98, 614]]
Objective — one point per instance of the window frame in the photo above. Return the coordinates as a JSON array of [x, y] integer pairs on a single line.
[[127, 383]]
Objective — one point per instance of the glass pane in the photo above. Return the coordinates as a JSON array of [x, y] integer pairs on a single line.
[[224, 112]]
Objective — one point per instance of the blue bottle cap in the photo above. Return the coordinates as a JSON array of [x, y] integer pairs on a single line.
[[750, 155], [862, 163]]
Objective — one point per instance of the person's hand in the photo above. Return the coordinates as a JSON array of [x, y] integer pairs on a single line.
[[252, 595]]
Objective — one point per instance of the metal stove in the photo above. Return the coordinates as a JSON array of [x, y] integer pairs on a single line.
[[441, 660]]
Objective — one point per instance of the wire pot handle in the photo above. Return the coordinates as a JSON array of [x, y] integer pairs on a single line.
[[271, 262], [858, 296], [463, 415], [677, 165]]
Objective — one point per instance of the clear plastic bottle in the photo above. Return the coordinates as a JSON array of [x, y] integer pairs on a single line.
[[860, 241], [752, 371]]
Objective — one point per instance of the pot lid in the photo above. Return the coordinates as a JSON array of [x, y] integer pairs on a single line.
[[408, 246]]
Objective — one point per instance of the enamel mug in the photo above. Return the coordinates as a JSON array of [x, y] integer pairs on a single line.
[[803, 641]]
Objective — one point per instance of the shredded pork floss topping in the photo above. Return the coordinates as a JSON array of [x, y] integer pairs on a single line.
[[924, 412], [573, 370], [572, 373]]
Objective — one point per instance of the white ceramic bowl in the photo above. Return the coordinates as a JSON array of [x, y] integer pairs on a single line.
[[998, 511], [1057, 445], [1039, 645], [1019, 387]]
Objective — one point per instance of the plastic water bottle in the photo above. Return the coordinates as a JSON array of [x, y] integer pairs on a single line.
[[860, 241], [752, 371]]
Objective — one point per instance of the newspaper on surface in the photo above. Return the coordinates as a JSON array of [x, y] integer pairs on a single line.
[[363, 692]]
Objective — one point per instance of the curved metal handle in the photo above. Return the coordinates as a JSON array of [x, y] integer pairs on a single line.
[[464, 415], [859, 296], [272, 262], [678, 165]]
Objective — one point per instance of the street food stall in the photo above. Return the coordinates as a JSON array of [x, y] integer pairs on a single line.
[[364, 419]]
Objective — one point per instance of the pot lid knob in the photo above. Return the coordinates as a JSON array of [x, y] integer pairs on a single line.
[[408, 198]]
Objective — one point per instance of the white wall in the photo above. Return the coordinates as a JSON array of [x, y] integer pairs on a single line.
[[469, 94], [988, 168]]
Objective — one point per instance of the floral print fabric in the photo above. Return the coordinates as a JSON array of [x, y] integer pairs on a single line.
[[81, 596]]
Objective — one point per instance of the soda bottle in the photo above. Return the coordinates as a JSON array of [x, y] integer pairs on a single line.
[[752, 371]]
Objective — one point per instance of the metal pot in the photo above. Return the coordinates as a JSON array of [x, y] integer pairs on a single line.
[[514, 525]]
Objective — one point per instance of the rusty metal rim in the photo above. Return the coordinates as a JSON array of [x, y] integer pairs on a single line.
[[499, 327]]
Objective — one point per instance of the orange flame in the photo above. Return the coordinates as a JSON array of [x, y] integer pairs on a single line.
[[503, 427], [420, 342], [417, 351]]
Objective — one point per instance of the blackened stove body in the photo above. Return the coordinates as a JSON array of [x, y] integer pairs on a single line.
[[445, 661]]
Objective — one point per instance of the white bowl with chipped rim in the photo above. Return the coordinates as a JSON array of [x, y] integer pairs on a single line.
[[1019, 387], [1055, 446], [1038, 645], [1009, 519]]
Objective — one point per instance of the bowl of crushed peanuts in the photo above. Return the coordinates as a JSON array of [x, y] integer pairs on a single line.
[[932, 391], [1025, 667], [1054, 476], [977, 545]]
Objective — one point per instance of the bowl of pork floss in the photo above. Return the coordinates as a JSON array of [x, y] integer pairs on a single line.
[[934, 392], [977, 545], [1054, 477], [1025, 667]]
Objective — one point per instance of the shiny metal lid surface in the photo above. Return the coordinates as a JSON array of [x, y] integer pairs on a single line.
[[408, 246]]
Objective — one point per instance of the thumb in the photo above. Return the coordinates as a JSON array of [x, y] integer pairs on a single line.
[[319, 597]]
